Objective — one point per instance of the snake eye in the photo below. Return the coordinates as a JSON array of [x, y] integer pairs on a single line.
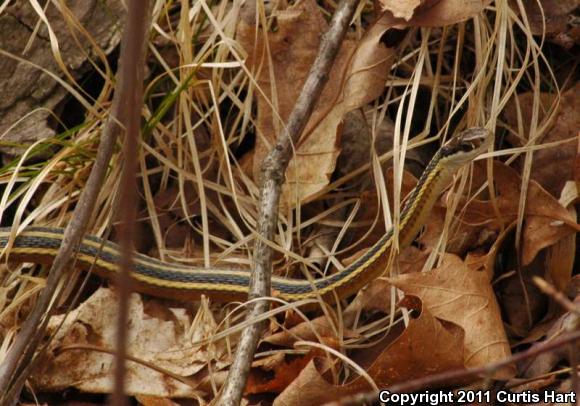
[[467, 146]]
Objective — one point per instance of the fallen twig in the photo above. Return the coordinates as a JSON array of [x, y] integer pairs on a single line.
[[16, 365], [132, 67], [273, 170], [450, 376]]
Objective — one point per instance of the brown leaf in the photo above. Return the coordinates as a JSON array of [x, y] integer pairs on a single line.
[[560, 256], [549, 16], [146, 400], [428, 346], [544, 363], [293, 47], [281, 374], [311, 388], [157, 335], [541, 211], [523, 304], [551, 167], [476, 262], [546, 220], [457, 294], [463, 236], [438, 13], [357, 77], [400, 9]]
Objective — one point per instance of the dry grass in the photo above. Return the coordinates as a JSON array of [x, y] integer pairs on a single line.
[[198, 114]]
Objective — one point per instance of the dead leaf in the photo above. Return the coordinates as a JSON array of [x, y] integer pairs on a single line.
[[279, 375], [549, 16], [519, 307], [400, 8], [541, 230], [476, 262], [438, 13], [523, 304], [280, 77], [357, 77], [560, 261], [427, 346], [551, 167], [157, 335], [560, 256], [547, 222], [310, 388], [544, 363], [154, 401], [457, 294]]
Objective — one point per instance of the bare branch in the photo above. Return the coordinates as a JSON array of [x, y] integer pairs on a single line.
[[16, 365], [458, 374], [273, 170], [132, 66]]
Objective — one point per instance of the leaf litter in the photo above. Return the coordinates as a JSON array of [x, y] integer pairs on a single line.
[[443, 308]]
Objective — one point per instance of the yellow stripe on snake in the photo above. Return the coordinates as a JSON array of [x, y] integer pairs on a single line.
[[162, 279]]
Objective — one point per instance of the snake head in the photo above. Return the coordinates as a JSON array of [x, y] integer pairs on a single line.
[[467, 145]]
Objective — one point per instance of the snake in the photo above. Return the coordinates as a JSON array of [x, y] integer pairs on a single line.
[[37, 244]]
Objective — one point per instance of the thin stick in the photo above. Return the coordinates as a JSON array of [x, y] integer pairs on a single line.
[[557, 296], [16, 365], [574, 310], [273, 170], [132, 64], [450, 376]]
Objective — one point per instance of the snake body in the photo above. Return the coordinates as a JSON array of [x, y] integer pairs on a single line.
[[180, 282]]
